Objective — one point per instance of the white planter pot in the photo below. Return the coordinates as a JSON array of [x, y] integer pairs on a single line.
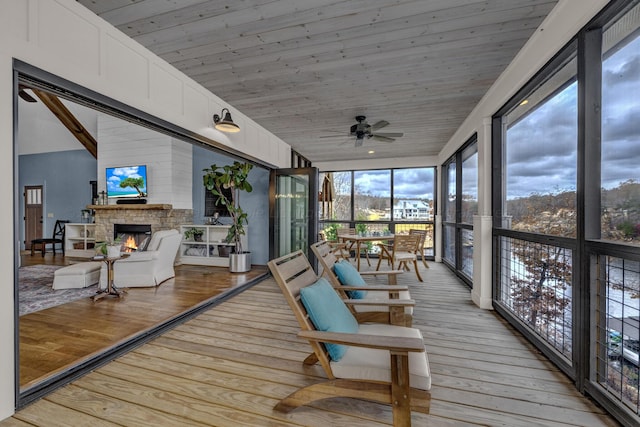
[[113, 251], [240, 263]]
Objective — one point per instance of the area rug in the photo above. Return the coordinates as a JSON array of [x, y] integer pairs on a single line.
[[36, 293]]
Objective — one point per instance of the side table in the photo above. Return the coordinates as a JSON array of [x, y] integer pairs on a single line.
[[111, 287]]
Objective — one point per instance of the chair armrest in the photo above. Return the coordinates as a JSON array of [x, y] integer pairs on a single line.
[[381, 273], [387, 302], [394, 289], [382, 342], [392, 275], [141, 256]]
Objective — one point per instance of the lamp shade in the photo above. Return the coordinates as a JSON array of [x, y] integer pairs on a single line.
[[225, 124]]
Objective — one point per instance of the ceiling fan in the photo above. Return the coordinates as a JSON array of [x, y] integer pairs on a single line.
[[362, 130]]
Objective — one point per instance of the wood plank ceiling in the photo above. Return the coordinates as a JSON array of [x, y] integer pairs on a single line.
[[305, 69]]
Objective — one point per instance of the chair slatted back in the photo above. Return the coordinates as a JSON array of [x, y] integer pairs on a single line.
[[405, 243], [421, 249], [327, 259], [59, 228], [346, 231], [423, 236], [293, 272]]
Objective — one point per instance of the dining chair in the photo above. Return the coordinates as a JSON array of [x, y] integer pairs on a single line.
[[401, 253], [339, 249], [420, 248], [350, 244], [56, 238]]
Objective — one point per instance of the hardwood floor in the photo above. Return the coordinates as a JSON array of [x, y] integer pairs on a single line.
[[229, 366], [54, 340]]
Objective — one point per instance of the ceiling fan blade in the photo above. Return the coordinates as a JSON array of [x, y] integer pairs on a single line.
[[379, 125], [389, 134], [25, 96], [382, 138], [342, 135]]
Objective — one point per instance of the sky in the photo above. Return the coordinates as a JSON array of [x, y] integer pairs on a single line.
[[414, 183], [541, 150]]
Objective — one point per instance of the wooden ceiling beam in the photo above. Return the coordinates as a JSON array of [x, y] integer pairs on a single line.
[[69, 121]]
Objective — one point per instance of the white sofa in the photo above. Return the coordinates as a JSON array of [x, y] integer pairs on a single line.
[[148, 268]]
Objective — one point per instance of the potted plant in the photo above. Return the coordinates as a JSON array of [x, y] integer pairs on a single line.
[[109, 248], [234, 177], [195, 233]]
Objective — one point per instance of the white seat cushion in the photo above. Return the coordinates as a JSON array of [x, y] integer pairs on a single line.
[[373, 364], [78, 275]]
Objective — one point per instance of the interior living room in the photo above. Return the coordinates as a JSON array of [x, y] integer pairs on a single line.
[[505, 131]]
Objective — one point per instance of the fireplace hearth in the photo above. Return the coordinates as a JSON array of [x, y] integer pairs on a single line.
[[133, 236]]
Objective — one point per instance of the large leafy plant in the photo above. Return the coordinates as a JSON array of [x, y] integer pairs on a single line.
[[234, 177]]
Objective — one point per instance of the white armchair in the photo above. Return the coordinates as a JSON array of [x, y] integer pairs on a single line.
[[148, 268]]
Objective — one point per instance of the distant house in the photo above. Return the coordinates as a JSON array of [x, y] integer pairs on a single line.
[[412, 210]]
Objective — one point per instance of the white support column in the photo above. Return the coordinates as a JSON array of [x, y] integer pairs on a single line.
[[437, 244], [483, 224]]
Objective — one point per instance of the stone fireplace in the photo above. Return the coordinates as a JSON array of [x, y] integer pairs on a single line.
[[158, 216], [133, 236]]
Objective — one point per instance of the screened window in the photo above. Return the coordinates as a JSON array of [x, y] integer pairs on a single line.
[[621, 141], [469, 199], [541, 148], [461, 204], [618, 276], [335, 196], [413, 202], [372, 195], [386, 200]]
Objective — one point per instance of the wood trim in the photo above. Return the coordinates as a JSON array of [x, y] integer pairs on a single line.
[[69, 121]]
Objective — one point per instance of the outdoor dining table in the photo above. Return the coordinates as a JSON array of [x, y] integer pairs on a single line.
[[360, 238]]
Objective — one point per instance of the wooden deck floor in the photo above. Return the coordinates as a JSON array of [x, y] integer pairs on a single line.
[[230, 365]]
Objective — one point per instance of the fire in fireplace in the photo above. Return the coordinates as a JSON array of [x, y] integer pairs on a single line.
[[132, 236]]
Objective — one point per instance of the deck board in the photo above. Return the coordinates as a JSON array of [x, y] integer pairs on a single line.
[[230, 365]]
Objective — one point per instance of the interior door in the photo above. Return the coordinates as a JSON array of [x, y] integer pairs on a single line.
[[32, 214], [293, 211]]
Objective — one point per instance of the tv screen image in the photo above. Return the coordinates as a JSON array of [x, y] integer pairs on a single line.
[[127, 181]]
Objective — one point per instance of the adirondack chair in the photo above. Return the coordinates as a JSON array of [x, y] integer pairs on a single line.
[[377, 362], [367, 310]]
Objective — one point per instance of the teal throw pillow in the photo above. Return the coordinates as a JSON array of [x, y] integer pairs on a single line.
[[328, 313], [349, 276]]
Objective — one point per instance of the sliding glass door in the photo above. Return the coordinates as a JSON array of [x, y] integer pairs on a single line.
[[293, 212]]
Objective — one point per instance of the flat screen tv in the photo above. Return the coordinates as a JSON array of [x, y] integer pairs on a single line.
[[127, 181]]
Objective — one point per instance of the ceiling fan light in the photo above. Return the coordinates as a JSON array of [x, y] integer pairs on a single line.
[[225, 124]]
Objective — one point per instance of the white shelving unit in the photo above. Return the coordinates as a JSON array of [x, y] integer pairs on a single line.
[[79, 240], [206, 252]]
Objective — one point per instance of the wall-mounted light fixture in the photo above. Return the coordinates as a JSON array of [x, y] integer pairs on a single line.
[[225, 124]]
